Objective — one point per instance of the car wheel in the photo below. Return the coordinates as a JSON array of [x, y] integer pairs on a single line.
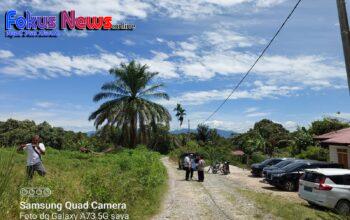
[[343, 207], [313, 204], [289, 186]]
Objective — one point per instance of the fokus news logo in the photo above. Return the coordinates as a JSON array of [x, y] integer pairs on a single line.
[[28, 25]]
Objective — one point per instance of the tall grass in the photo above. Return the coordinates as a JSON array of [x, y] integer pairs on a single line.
[[284, 209], [135, 177], [6, 167]]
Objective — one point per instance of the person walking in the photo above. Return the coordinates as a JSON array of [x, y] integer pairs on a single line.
[[34, 151], [187, 164], [201, 166]]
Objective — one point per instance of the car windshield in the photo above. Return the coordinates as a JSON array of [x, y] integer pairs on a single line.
[[267, 161], [283, 163], [293, 167]]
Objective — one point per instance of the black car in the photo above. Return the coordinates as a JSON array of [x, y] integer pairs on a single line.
[[276, 168], [257, 168], [280, 164], [287, 178], [182, 159]]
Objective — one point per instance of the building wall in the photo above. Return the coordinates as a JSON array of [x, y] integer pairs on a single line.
[[333, 155]]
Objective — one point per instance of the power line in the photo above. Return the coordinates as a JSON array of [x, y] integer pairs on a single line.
[[256, 61]]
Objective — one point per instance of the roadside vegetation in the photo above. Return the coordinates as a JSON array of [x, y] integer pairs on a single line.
[[135, 177], [266, 139], [289, 210]]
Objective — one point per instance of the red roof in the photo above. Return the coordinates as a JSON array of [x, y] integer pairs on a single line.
[[341, 137], [238, 153]]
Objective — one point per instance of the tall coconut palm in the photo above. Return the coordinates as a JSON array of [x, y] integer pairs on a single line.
[[128, 104], [180, 113]]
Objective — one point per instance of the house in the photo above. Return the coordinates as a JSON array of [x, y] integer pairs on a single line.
[[339, 146]]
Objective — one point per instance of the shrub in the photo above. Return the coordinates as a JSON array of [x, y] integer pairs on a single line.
[[257, 157], [314, 153], [135, 177]]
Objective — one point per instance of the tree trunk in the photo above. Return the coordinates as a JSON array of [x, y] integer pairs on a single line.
[[133, 130]]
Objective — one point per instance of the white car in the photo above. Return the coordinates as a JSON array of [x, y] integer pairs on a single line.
[[326, 187]]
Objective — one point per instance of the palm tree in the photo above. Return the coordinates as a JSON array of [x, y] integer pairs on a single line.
[[180, 113], [128, 104]]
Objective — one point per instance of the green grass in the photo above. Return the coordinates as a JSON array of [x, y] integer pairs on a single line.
[[135, 177], [281, 207]]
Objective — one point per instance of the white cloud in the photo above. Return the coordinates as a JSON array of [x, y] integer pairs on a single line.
[[45, 104], [268, 3], [257, 114], [53, 64], [141, 9], [159, 63], [219, 52], [251, 109], [76, 33], [260, 91], [5, 54], [129, 42], [70, 119], [290, 125], [232, 125]]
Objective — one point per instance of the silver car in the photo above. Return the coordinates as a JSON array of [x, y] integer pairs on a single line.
[[327, 187]]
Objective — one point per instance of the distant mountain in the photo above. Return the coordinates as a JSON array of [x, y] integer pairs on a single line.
[[90, 133], [222, 133]]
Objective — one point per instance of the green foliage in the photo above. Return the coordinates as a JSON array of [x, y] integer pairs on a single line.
[[14, 133], [129, 104], [301, 139], [282, 208], [6, 176], [314, 153], [180, 113], [203, 133], [327, 125], [257, 157], [266, 136], [135, 177]]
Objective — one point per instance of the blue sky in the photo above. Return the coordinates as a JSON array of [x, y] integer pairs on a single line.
[[200, 48]]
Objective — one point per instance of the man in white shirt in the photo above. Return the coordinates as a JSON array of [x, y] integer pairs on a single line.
[[187, 163], [34, 151]]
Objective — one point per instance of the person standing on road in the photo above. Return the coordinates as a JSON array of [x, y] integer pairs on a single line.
[[201, 166], [34, 151], [187, 164], [193, 165]]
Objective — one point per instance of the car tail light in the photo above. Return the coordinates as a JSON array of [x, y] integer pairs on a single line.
[[324, 186]]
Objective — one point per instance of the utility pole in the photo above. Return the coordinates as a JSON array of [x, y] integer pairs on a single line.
[[189, 127], [344, 30], [189, 130]]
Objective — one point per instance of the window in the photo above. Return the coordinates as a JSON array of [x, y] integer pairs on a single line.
[[346, 179], [341, 180], [313, 177]]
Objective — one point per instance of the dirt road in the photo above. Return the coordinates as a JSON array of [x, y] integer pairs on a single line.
[[215, 198]]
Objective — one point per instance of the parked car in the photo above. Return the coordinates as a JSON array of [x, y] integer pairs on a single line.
[[287, 177], [327, 187], [182, 159], [280, 164], [257, 168]]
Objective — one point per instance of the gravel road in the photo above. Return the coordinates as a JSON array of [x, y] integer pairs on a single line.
[[215, 198]]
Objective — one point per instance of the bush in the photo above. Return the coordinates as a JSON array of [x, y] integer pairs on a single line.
[[314, 153], [257, 157], [135, 177]]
